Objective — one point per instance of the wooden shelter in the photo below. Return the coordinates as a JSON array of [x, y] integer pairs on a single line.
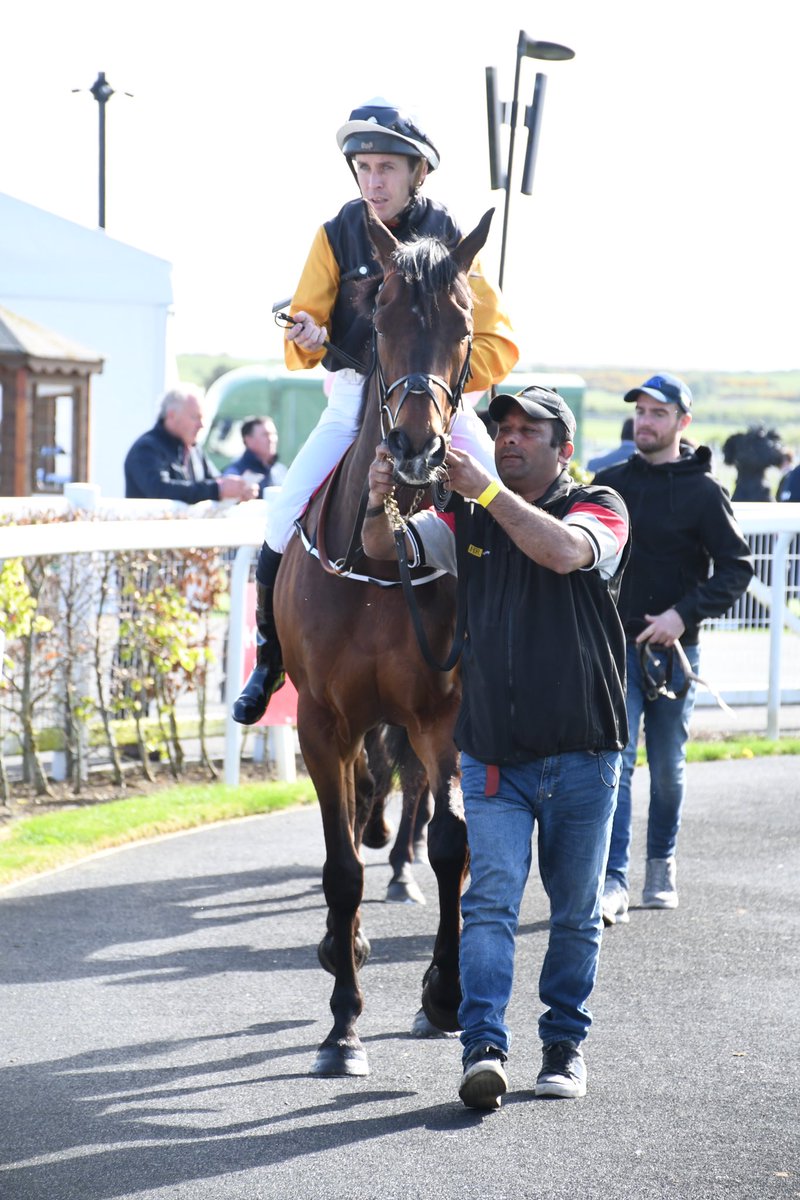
[[45, 382]]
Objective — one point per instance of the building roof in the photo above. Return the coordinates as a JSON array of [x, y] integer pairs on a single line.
[[49, 257], [24, 339]]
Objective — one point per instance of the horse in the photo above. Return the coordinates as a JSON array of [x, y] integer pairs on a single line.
[[349, 645], [752, 453]]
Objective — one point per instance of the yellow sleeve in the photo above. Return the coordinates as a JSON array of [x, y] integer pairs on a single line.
[[494, 349], [315, 294]]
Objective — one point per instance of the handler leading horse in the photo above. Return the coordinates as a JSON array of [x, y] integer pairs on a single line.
[[349, 647]]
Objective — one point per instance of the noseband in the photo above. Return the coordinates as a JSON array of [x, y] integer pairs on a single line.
[[418, 383]]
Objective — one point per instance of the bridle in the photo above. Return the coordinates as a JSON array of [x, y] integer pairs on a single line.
[[418, 383]]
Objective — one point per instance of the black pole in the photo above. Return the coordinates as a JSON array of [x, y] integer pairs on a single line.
[[526, 48], [507, 206], [102, 92], [101, 219]]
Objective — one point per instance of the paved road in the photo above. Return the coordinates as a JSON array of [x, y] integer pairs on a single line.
[[160, 1008]]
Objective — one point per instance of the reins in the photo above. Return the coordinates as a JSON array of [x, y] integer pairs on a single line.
[[283, 318]]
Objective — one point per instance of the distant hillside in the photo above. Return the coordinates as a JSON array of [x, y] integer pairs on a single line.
[[724, 402]]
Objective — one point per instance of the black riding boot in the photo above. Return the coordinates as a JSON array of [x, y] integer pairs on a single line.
[[268, 674]]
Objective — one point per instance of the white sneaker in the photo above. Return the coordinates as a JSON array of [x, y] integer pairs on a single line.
[[614, 904], [659, 884]]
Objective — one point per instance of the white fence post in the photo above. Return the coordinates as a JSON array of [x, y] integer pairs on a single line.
[[780, 552], [240, 575]]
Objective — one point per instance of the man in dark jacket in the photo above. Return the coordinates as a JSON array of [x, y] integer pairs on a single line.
[[541, 725], [681, 522], [260, 458], [166, 464]]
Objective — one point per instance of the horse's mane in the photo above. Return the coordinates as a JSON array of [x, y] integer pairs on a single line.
[[427, 265]]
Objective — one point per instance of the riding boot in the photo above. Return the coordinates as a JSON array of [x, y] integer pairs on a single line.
[[268, 673]]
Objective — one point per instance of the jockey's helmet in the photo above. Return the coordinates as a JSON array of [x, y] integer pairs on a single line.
[[379, 127]]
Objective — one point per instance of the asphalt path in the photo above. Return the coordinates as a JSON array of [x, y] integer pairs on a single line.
[[160, 1008]]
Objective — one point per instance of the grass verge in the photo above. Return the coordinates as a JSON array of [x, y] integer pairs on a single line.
[[41, 843]]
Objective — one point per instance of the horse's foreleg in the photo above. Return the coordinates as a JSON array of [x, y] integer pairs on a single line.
[[341, 1053]]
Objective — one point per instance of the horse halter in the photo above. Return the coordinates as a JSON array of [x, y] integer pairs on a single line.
[[657, 670], [418, 383]]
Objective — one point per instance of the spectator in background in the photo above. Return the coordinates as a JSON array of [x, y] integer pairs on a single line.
[[260, 457], [681, 522], [624, 450], [166, 464], [789, 486]]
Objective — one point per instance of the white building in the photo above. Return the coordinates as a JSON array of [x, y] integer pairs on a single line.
[[109, 297]]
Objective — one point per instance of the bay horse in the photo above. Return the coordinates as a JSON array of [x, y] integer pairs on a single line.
[[349, 646]]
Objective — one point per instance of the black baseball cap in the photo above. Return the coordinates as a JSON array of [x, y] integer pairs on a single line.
[[666, 388], [542, 403]]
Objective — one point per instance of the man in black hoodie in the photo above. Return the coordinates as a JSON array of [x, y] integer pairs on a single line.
[[681, 522]]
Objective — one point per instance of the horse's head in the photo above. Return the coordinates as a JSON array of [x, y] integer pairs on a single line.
[[423, 337]]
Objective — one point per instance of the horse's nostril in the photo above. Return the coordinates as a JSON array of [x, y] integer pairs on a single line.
[[398, 444], [435, 452]]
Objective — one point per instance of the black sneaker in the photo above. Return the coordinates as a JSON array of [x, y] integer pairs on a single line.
[[563, 1072], [484, 1081]]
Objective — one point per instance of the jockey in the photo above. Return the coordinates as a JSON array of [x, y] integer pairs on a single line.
[[389, 157]]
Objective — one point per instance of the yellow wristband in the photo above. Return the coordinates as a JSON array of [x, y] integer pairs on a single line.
[[487, 496]]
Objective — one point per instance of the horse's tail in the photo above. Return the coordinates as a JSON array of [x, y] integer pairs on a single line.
[[388, 751]]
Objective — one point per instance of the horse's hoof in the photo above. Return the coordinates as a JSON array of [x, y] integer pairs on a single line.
[[377, 834], [326, 952], [341, 1058], [443, 1018], [405, 892], [422, 1028]]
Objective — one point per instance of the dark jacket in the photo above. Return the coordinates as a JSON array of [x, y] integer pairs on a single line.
[[157, 468], [274, 474], [352, 249], [544, 664], [789, 486], [681, 520]]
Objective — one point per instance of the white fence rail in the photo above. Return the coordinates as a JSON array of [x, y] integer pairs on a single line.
[[773, 530]]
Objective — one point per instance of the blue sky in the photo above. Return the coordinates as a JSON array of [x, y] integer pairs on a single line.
[[662, 227]]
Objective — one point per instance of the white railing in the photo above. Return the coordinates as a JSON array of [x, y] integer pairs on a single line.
[[137, 525]]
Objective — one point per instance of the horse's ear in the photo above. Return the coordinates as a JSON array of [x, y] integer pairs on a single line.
[[382, 239], [467, 250]]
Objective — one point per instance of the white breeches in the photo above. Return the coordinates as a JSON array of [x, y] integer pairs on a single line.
[[328, 441]]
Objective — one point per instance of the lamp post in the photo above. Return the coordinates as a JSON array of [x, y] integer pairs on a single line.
[[499, 113], [102, 91]]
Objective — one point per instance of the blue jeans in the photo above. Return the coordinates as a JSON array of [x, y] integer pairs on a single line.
[[570, 797], [666, 731]]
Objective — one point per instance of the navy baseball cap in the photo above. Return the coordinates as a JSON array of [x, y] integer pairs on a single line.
[[542, 403], [666, 388]]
